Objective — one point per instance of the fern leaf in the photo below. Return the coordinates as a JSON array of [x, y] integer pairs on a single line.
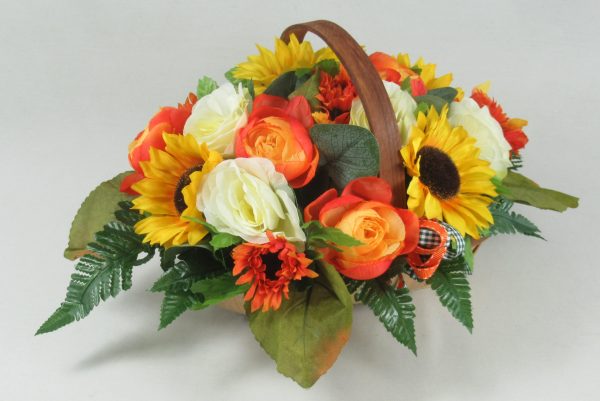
[[99, 275], [451, 285], [509, 222], [173, 305], [393, 306]]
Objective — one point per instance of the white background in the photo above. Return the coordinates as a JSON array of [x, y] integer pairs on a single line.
[[78, 79]]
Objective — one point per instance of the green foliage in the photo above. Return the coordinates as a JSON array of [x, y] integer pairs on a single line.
[[224, 240], [205, 86], [102, 273], [318, 237], [95, 211], [217, 289], [307, 333], [451, 285], [309, 89], [173, 305], [517, 161], [347, 152], [246, 83], [521, 189], [329, 66], [509, 222], [432, 100], [283, 85], [448, 94], [393, 306], [468, 256]]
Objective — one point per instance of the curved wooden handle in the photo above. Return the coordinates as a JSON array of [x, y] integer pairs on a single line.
[[371, 92]]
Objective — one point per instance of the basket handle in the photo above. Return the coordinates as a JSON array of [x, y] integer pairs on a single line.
[[372, 93]]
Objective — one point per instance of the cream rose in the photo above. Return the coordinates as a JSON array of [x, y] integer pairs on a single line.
[[217, 117], [247, 197], [480, 124], [404, 107]]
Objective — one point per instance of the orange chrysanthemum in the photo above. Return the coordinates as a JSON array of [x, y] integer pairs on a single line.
[[270, 268], [512, 127], [336, 94]]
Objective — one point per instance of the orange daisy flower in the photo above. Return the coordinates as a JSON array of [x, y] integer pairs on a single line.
[[336, 94], [512, 127], [270, 267]]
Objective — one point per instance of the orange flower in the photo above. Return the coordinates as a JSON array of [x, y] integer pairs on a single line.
[[512, 127], [389, 69], [336, 94], [278, 129], [168, 119], [270, 268], [364, 212]]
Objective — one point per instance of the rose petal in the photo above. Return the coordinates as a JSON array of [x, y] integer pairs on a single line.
[[311, 212], [370, 188]]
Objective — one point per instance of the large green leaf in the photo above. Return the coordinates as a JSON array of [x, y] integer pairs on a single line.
[[432, 100], [451, 285], [393, 306], [521, 189], [96, 210], [307, 333], [509, 222], [347, 151], [100, 274]]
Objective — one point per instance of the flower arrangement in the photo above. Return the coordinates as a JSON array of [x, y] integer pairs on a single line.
[[277, 189]]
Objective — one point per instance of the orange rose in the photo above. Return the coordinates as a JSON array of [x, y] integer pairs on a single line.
[[278, 130], [389, 69], [364, 212], [168, 119]]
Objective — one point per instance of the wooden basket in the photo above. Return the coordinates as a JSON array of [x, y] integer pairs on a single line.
[[378, 109]]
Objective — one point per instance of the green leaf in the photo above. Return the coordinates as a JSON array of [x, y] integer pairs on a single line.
[[393, 306], [450, 283], [322, 237], [432, 100], [309, 89], [101, 274], [522, 190], [173, 305], [205, 86], [246, 83], [329, 66], [448, 94], [307, 333], [218, 289], [347, 151], [224, 240], [468, 256], [509, 222], [283, 85], [95, 211]]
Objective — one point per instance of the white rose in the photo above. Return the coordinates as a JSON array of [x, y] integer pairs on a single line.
[[404, 107], [480, 124], [217, 117], [247, 197]]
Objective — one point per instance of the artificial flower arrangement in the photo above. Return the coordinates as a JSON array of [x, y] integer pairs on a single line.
[[283, 190]]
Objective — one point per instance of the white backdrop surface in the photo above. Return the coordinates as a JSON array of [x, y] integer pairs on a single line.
[[78, 79]]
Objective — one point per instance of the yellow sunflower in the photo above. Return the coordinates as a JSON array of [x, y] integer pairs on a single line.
[[168, 191], [264, 67], [427, 73], [450, 182]]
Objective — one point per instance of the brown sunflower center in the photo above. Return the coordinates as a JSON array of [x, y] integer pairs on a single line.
[[183, 182], [438, 172], [272, 265]]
